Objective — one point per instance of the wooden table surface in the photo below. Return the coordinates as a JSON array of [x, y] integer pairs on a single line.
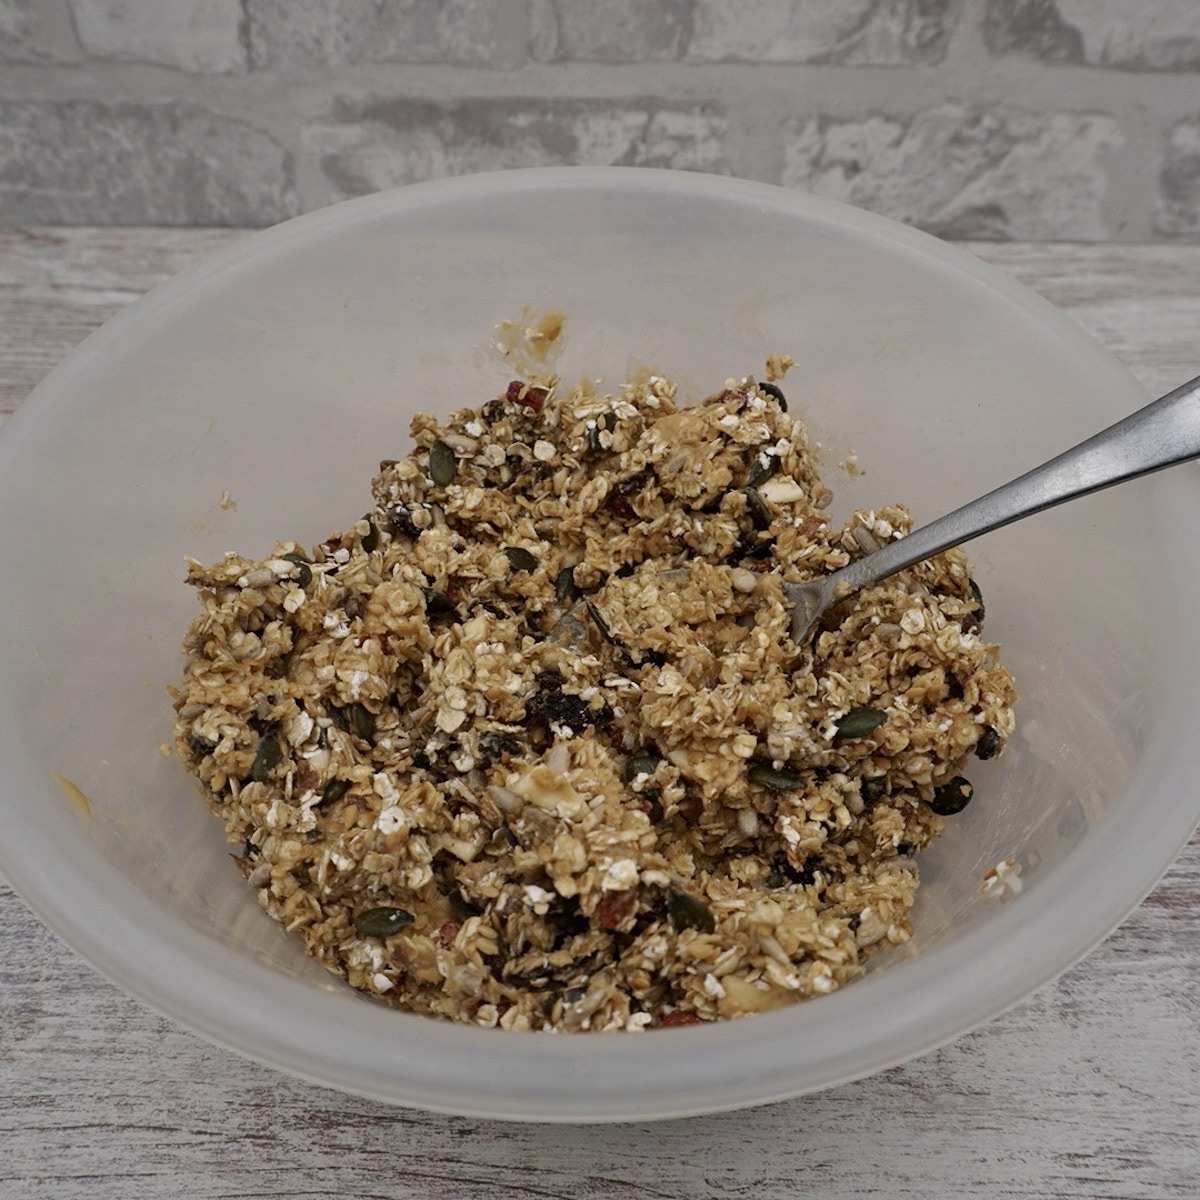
[[1091, 1088]]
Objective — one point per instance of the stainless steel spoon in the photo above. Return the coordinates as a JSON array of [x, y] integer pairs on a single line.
[[1162, 434]]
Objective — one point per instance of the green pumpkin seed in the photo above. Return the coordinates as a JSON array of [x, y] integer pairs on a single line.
[[303, 572], [370, 539], [977, 596], [601, 623], [640, 764], [437, 603], [443, 466], [858, 722], [333, 791], [355, 719], [687, 912], [767, 776], [771, 390], [765, 465], [267, 758], [382, 922], [520, 558], [461, 909], [362, 721], [564, 586], [952, 797], [760, 514]]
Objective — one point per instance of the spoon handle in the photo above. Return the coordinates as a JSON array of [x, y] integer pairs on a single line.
[[1164, 433]]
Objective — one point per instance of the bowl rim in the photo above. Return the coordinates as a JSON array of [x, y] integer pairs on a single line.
[[407, 1060]]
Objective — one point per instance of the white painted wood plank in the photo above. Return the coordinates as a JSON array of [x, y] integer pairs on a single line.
[[1089, 1089]]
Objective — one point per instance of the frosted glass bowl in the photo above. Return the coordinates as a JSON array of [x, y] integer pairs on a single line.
[[282, 369]]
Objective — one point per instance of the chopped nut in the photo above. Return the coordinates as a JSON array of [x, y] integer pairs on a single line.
[[529, 745]]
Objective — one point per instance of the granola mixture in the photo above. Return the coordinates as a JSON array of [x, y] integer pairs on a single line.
[[530, 744]]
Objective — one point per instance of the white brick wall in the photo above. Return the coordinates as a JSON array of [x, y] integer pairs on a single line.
[[1026, 119]]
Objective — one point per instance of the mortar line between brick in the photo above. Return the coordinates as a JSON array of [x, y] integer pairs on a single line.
[[1011, 82]]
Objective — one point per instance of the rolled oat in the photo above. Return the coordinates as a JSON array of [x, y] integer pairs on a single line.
[[530, 744]]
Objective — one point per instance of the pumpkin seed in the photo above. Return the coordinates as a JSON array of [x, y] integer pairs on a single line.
[[333, 791], [370, 539], [362, 721], [767, 776], [977, 596], [858, 722], [771, 390], [356, 719], [952, 797], [564, 586], [601, 624], [461, 909], [760, 514], [765, 465], [303, 572], [437, 603], [687, 912], [989, 743], [443, 466], [266, 759], [382, 922], [640, 764], [520, 558]]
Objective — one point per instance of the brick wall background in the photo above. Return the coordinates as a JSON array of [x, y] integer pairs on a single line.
[[1025, 119]]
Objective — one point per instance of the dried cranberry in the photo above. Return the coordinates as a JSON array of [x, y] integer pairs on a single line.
[[616, 908], [526, 394], [672, 1020]]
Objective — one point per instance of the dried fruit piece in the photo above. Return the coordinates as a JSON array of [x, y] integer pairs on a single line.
[[952, 797], [988, 745]]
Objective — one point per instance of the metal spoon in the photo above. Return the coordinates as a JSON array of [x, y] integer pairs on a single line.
[[1160, 435]]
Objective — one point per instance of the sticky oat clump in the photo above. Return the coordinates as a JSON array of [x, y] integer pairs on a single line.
[[530, 744]]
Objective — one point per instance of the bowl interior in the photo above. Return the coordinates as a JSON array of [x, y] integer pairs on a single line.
[[281, 371]]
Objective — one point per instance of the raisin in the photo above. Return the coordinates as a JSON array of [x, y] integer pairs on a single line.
[[551, 704], [496, 746], [401, 522], [988, 745]]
